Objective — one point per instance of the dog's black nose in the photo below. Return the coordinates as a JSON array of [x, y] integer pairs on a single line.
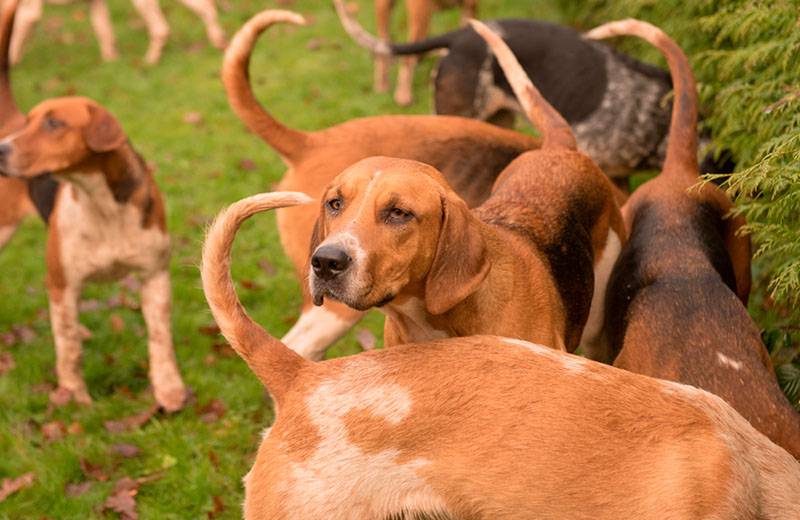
[[329, 262]]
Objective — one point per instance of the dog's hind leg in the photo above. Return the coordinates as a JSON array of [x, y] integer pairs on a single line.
[[157, 28], [419, 17], [28, 14], [168, 387], [383, 9], [207, 12], [101, 23]]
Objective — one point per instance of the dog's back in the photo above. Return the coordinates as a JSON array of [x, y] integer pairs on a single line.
[[673, 311]]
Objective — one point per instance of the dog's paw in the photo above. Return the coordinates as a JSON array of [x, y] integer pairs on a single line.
[[171, 397], [62, 396]]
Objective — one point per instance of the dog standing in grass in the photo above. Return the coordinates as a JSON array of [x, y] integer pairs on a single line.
[[675, 296], [486, 428]]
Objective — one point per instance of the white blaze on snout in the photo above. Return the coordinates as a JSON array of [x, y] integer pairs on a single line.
[[340, 480]]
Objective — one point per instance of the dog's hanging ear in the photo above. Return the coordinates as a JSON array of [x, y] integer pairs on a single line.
[[460, 263], [103, 133]]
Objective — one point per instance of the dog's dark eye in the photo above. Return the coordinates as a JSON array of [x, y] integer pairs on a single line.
[[50, 124], [398, 216], [334, 205]]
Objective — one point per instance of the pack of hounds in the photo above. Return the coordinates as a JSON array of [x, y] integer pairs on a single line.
[[494, 257]]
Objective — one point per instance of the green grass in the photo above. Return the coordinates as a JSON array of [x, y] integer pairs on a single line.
[[198, 171]]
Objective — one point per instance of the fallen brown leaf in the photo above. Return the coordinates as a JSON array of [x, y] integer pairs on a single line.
[[74, 428], [213, 458], [6, 362], [93, 471], [122, 499], [249, 284], [314, 44], [131, 422], [117, 323], [9, 339], [9, 486], [223, 349], [209, 330], [219, 507], [77, 489], [126, 450], [267, 267], [60, 396], [212, 411], [365, 339], [53, 431], [247, 165], [25, 333]]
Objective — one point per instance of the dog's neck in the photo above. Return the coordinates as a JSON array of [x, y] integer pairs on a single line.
[[110, 181]]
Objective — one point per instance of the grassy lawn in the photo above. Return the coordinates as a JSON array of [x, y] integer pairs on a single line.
[[311, 77]]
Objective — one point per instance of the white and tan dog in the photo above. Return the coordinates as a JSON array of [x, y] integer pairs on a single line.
[[108, 221], [484, 427]]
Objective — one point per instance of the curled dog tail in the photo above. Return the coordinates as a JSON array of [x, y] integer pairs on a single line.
[[235, 75], [681, 156], [11, 117], [363, 38], [555, 130], [272, 361]]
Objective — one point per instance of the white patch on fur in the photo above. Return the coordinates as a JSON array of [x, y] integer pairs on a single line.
[[315, 331], [340, 480], [570, 362], [597, 312], [728, 362]]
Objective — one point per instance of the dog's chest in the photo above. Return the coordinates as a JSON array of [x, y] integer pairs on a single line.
[[102, 239]]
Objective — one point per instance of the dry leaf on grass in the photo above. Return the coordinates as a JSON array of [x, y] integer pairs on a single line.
[[129, 423], [77, 489], [219, 507], [209, 330], [117, 323], [267, 267], [9, 486], [53, 431], [92, 471], [223, 349], [193, 118], [126, 450], [212, 411], [123, 498], [249, 284], [247, 165], [6, 362]]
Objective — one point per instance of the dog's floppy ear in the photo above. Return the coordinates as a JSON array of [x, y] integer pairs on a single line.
[[460, 263], [103, 133]]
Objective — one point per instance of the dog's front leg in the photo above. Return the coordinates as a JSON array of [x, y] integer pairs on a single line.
[[101, 23], [168, 387], [207, 12], [67, 334], [157, 28], [419, 18]]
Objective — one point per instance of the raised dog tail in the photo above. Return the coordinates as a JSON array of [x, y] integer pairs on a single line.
[[11, 117], [555, 130], [289, 142], [363, 38], [272, 361], [681, 156]]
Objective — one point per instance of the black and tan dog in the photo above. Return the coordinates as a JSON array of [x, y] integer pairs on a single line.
[[469, 153], [527, 263], [108, 220], [673, 310], [486, 428], [617, 106]]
